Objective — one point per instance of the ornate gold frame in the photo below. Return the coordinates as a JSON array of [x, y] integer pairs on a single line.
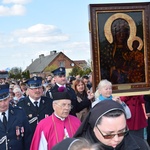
[[101, 19]]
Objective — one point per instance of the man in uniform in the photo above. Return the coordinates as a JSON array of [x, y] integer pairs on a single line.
[[36, 106], [15, 131], [60, 79]]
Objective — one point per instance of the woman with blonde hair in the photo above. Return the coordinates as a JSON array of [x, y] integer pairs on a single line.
[[104, 92]]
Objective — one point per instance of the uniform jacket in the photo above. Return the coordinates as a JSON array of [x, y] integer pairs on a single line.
[[17, 135], [45, 109], [77, 107]]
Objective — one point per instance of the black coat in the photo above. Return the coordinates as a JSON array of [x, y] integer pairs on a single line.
[[130, 142], [16, 120], [45, 109], [77, 107]]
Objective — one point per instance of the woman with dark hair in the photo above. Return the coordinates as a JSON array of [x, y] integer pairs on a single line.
[[83, 94], [106, 124]]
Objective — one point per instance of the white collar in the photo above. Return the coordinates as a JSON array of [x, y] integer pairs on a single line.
[[61, 85], [32, 100], [6, 114], [62, 119]]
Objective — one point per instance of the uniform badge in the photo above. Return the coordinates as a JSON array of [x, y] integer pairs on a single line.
[[60, 69], [30, 115], [17, 132], [12, 112], [28, 104], [35, 78], [43, 101], [22, 131]]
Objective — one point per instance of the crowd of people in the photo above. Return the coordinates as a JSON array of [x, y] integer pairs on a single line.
[[56, 113]]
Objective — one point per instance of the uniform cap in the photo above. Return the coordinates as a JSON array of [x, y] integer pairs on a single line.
[[4, 91], [34, 82], [59, 71]]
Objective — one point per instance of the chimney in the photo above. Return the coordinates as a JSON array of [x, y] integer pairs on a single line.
[[41, 56], [53, 52]]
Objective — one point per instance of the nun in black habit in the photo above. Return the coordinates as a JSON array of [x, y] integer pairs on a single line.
[[106, 124], [76, 144]]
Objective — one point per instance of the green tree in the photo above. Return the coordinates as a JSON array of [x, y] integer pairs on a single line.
[[75, 71], [15, 73], [78, 71], [26, 74]]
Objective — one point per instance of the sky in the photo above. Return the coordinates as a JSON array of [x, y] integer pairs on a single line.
[[29, 28]]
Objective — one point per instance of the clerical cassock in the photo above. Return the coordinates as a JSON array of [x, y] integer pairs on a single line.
[[53, 130], [58, 126]]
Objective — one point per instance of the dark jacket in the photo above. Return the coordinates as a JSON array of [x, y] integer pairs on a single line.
[[129, 142], [77, 107], [17, 135], [45, 109]]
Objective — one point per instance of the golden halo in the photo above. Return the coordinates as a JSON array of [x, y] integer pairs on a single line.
[[132, 25]]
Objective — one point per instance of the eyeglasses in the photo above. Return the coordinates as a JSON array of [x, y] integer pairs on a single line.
[[110, 136], [64, 106]]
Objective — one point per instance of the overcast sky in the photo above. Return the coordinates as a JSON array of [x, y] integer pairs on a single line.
[[29, 28]]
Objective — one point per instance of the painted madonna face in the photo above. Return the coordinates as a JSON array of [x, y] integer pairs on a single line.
[[120, 31]]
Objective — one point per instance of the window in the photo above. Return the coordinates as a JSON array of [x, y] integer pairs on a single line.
[[62, 63]]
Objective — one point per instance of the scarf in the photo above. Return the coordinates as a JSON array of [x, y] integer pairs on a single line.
[[101, 98]]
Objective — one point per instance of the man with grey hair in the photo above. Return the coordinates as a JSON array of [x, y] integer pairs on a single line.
[[60, 125]]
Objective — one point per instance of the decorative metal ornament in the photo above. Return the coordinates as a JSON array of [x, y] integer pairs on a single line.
[[22, 131], [17, 132], [35, 78], [30, 115], [12, 112]]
